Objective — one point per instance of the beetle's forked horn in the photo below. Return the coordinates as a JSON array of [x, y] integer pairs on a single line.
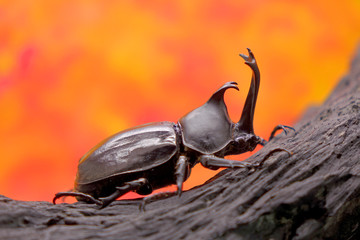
[[247, 117]]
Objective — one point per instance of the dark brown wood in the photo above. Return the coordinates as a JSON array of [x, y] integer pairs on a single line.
[[314, 194]]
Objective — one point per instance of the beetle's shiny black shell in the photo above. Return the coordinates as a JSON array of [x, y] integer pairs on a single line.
[[208, 128], [133, 150]]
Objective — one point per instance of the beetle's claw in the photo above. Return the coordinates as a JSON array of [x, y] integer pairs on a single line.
[[281, 127], [142, 206], [284, 128], [55, 198], [253, 168], [104, 202], [86, 197], [179, 192]]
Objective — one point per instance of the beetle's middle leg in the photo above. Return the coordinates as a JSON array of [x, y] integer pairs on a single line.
[[212, 162], [181, 172], [182, 168], [127, 187]]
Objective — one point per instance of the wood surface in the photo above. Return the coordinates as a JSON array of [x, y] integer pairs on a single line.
[[313, 194]]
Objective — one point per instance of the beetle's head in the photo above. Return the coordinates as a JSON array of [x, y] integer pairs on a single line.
[[208, 128], [242, 142], [244, 138]]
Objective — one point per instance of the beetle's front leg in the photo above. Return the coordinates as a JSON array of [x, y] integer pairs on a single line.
[[279, 127], [272, 135], [213, 162]]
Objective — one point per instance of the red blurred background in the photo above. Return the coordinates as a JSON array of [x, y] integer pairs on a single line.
[[74, 72]]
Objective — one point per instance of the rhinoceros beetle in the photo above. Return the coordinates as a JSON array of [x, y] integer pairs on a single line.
[[156, 155]]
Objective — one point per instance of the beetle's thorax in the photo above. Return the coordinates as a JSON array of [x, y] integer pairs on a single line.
[[207, 129]]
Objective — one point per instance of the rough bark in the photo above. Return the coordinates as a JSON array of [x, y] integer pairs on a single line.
[[314, 194]]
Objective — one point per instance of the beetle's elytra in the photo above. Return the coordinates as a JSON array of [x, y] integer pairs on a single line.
[[156, 155]]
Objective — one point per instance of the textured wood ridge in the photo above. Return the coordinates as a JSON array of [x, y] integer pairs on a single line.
[[314, 194]]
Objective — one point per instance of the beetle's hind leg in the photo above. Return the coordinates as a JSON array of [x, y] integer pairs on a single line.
[[87, 197], [134, 185]]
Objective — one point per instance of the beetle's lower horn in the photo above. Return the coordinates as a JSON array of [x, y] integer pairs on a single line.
[[247, 117]]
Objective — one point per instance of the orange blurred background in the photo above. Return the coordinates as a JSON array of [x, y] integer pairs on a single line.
[[74, 72]]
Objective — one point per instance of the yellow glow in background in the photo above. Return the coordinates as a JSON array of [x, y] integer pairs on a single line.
[[74, 72]]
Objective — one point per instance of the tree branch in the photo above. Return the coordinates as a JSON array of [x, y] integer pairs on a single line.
[[314, 194]]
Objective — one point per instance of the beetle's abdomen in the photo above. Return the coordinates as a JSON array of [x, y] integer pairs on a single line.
[[133, 150]]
